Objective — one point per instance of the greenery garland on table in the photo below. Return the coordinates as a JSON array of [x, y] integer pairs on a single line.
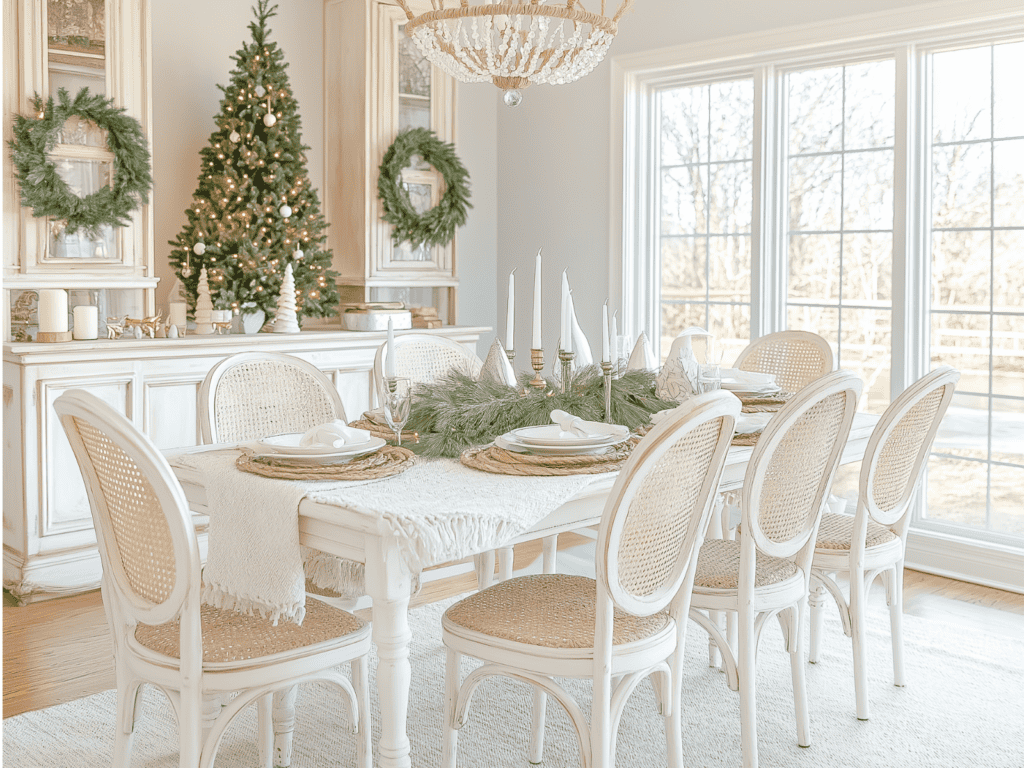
[[436, 226], [47, 194], [458, 411]]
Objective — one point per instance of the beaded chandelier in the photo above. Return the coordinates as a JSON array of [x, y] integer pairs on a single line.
[[514, 44]]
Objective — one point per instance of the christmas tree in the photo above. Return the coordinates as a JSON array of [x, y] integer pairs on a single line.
[[255, 210]]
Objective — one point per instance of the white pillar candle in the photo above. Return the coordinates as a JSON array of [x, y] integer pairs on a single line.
[[389, 357], [177, 313], [564, 321], [53, 311], [87, 322], [536, 305], [567, 330], [604, 333], [510, 314]]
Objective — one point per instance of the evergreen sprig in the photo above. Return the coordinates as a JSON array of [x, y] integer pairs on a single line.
[[457, 411], [436, 226], [47, 194]]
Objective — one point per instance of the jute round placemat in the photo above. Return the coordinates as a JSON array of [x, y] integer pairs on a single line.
[[491, 458], [768, 404], [748, 438], [383, 431], [389, 460]]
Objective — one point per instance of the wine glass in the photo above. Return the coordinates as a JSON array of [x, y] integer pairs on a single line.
[[397, 404]]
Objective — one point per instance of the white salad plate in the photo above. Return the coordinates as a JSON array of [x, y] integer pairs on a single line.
[[551, 435], [509, 443], [289, 445], [349, 453]]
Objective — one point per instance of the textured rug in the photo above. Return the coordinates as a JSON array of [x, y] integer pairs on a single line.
[[964, 706]]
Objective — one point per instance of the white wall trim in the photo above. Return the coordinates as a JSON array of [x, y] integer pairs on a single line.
[[958, 558]]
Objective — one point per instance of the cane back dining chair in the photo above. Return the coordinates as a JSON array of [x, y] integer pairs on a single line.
[[423, 358], [766, 572], [872, 542], [195, 654], [534, 628], [795, 357]]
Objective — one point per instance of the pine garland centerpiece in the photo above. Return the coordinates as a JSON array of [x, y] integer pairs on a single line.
[[457, 411], [436, 226], [47, 194]]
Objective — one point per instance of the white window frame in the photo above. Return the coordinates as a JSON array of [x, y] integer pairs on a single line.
[[906, 35]]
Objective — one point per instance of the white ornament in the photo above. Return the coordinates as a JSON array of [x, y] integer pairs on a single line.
[[138, 332], [269, 119], [260, 90], [199, 248], [286, 211], [298, 254], [204, 306], [513, 98], [172, 332], [285, 320], [234, 137]]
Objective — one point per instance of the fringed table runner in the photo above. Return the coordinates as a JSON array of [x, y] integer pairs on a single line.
[[497, 460]]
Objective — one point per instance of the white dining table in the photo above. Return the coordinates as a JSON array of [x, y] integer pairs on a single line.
[[353, 535]]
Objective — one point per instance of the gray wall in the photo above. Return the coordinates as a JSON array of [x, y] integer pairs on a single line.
[[554, 153]]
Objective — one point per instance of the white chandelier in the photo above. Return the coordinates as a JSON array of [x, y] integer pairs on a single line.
[[514, 44]]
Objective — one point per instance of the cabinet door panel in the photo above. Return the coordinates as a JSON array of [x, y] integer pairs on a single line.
[[170, 417], [65, 506]]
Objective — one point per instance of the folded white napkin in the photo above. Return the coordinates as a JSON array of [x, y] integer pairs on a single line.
[[735, 375], [333, 434], [572, 426]]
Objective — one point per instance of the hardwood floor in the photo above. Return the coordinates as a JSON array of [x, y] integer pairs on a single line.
[[59, 650]]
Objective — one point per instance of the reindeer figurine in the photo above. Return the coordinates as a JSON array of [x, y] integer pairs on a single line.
[[116, 327]]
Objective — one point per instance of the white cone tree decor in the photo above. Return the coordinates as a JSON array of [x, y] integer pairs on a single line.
[[204, 306], [285, 320]]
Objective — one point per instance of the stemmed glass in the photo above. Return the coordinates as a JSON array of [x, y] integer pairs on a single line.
[[397, 404]]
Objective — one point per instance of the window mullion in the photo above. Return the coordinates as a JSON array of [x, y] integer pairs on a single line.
[[768, 284]]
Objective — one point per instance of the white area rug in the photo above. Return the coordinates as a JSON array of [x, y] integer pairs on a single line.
[[964, 706]]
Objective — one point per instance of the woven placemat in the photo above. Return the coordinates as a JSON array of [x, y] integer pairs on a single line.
[[497, 460], [383, 431], [389, 460], [748, 438], [768, 404]]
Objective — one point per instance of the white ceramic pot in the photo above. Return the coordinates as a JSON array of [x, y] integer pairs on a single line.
[[253, 320]]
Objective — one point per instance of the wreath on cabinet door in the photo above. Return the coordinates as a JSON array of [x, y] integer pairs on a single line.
[[436, 226], [48, 195]]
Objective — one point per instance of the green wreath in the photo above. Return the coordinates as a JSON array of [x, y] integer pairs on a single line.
[[436, 226], [47, 194]]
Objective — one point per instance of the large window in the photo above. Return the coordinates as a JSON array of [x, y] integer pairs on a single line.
[[872, 193]]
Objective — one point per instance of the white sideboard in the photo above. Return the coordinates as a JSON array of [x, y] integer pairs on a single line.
[[49, 544]]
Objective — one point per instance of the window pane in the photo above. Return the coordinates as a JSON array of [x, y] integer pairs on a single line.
[[1007, 428], [676, 318], [961, 270], [1007, 511], [815, 110], [731, 327], [682, 267], [814, 192], [867, 267], [821, 320], [1009, 183], [732, 122], [1009, 106], [962, 341], [870, 104], [682, 200], [1009, 271], [956, 491], [960, 186], [1008, 358], [684, 125], [866, 348], [961, 95], [730, 194], [730, 268], [867, 193], [814, 267]]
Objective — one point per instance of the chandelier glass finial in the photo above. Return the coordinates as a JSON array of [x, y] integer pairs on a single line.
[[514, 44]]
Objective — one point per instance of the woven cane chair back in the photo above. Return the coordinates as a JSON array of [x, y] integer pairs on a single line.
[[898, 449], [146, 540], [793, 464], [423, 359], [256, 394], [659, 509], [795, 357]]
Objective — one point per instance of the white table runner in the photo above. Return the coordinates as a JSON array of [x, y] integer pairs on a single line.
[[439, 510]]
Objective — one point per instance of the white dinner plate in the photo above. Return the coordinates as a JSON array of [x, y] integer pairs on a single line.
[[289, 445], [509, 443], [373, 445], [552, 435], [751, 422]]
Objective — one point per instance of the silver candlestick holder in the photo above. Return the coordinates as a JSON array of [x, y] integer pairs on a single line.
[[607, 368], [537, 362], [566, 359]]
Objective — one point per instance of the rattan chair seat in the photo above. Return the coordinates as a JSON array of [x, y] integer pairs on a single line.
[[836, 533], [718, 567], [548, 611], [229, 636]]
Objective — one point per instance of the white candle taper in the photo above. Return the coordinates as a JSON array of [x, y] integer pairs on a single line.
[[604, 333], [567, 331], [564, 322], [536, 305], [389, 357], [510, 315]]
